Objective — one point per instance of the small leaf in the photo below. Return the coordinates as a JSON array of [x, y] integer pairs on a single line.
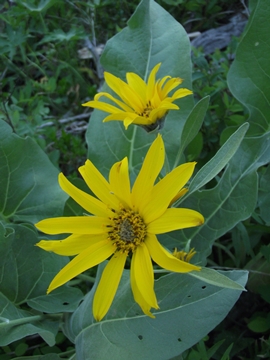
[[214, 277]]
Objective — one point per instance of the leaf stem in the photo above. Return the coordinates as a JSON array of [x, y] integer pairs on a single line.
[[29, 319]]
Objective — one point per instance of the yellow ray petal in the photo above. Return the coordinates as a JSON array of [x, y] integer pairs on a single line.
[[165, 259], [108, 285], [142, 275], [174, 219], [181, 193], [88, 202], [124, 91], [151, 167], [165, 190], [90, 257], [119, 182], [74, 224], [138, 85], [151, 83], [98, 184], [114, 82], [72, 245], [118, 102], [140, 300], [181, 93], [166, 104], [161, 82], [170, 85], [102, 106], [120, 116]]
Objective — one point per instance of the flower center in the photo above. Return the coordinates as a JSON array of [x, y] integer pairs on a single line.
[[127, 231], [147, 110]]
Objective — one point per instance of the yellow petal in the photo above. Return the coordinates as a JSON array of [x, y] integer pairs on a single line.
[[108, 285], [124, 91], [120, 116], [165, 259], [151, 167], [118, 102], [140, 300], [90, 257], [102, 106], [170, 85], [119, 182], [74, 224], [151, 83], [98, 184], [88, 202], [165, 190], [72, 245], [161, 82], [181, 193], [138, 85], [174, 219], [181, 93], [143, 277]]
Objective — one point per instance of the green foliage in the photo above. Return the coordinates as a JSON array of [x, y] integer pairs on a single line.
[[143, 335]]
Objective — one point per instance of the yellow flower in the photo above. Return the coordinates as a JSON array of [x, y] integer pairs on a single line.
[[183, 255], [124, 222], [140, 103]]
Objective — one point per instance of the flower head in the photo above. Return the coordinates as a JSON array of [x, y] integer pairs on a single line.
[[139, 102], [124, 223]]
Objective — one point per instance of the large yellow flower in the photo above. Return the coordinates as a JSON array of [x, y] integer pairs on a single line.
[[140, 103], [124, 222]]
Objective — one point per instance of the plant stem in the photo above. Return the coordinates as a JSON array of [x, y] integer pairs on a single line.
[[29, 319]]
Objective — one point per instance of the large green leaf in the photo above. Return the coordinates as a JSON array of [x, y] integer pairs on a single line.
[[20, 284], [15, 324], [28, 180], [249, 75], [125, 333], [138, 48]]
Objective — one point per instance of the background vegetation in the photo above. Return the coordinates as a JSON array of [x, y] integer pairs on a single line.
[[48, 70]]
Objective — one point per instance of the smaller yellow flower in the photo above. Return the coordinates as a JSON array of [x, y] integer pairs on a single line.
[[183, 255], [141, 103]]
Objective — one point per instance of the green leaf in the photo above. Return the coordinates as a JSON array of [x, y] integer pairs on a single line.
[[219, 161], [41, 6], [64, 299], [19, 256], [192, 125], [184, 303], [264, 196], [249, 75], [50, 356], [28, 180], [259, 324], [138, 48], [214, 277], [15, 324]]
